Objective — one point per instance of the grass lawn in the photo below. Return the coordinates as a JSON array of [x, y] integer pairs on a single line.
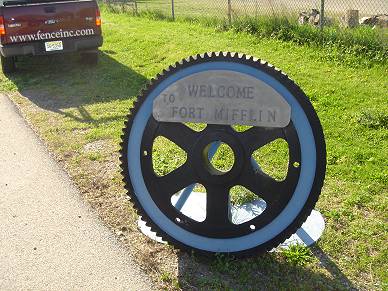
[[79, 112]]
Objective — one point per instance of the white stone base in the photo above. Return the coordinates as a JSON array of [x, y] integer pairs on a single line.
[[195, 208]]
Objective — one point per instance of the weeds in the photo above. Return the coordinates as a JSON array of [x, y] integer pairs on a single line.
[[298, 255], [361, 41], [357, 46], [170, 280], [373, 120]]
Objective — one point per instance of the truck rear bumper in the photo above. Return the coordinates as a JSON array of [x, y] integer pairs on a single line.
[[38, 48]]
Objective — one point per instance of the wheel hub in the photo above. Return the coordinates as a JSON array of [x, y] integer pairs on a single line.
[[202, 153]]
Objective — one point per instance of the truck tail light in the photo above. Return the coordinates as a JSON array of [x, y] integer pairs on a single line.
[[98, 17], [2, 26]]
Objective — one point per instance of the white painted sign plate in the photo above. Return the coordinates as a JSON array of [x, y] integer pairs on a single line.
[[222, 97]]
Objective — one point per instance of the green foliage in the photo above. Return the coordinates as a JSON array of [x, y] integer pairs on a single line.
[[170, 280], [273, 159], [361, 46], [166, 156], [95, 156], [360, 41], [224, 159], [155, 15], [240, 195], [223, 263], [373, 120], [297, 255], [72, 105]]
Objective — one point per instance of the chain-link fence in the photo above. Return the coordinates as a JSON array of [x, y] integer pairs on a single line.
[[345, 12]]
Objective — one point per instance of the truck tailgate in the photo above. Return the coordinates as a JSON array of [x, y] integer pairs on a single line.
[[49, 21]]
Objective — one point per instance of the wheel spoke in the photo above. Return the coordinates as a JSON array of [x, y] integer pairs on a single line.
[[175, 181], [257, 137], [217, 205], [178, 133], [262, 185]]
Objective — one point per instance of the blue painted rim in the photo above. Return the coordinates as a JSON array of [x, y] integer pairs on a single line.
[[259, 237]]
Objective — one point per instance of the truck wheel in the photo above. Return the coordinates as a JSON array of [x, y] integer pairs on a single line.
[[8, 64], [90, 58]]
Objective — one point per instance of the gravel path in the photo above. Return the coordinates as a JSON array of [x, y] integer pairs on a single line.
[[49, 239]]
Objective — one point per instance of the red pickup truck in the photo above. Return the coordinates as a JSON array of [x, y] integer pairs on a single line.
[[42, 27]]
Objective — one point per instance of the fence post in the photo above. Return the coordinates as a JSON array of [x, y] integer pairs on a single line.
[[230, 11], [136, 12], [322, 15], [173, 10]]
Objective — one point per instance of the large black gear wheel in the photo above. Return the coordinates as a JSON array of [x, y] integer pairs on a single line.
[[288, 202]]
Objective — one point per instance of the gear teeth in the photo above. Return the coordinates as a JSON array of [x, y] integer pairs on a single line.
[[142, 91], [146, 223], [125, 159], [185, 61]]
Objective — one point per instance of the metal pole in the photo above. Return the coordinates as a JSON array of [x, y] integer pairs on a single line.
[[187, 191], [135, 8], [173, 10], [230, 11], [322, 15]]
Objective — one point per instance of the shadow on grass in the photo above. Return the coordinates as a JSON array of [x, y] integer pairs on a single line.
[[63, 84], [60, 84], [270, 271]]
